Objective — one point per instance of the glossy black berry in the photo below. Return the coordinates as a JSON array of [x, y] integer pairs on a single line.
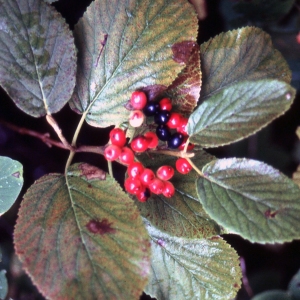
[[163, 133], [175, 140], [151, 109], [162, 117]]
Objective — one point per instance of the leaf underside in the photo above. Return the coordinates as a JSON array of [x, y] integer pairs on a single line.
[[11, 182], [128, 45], [239, 111], [181, 215], [251, 199], [81, 237], [184, 269], [37, 56], [239, 55]]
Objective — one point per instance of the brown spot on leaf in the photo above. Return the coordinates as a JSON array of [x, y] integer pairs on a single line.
[[91, 172], [90, 186], [270, 215], [182, 51], [214, 237], [236, 285], [16, 174], [100, 227]]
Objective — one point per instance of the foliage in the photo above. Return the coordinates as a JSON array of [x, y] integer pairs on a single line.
[[78, 234]]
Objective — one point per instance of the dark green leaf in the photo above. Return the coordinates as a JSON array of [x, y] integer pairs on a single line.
[[273, 295], [81, 237], [11, 182], [181, 215], [129, 45], [199, 269], [294, 286], [239, 111], [243, 54], [37, 56], [3, 285], [251, 199]]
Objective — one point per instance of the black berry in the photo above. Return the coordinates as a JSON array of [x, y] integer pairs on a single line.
[[163, 133], [151, 109], [175, 140], [162, 117]]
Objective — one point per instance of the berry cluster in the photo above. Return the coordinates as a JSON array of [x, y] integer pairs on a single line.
[[142, 181]]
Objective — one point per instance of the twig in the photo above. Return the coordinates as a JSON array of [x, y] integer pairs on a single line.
[[245, 278], [58, 131], [173, 153]]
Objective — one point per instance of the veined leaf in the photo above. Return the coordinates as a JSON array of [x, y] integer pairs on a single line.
[[251, 199], [239, 111], [37, 56], [184, 269], [81, 237], [185, 90], [243, 54], [273, 295], [181, 215], [11, 182], [129, 45]]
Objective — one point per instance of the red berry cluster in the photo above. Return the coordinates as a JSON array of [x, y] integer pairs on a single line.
[[142, 181]]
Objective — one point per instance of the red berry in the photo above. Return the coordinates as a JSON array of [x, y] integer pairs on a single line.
[[147, 176], [156, 186], [189, 147], [165, 104], [135, 169], [144, 195], [168, 190], [138, 100], [152, 138], [165, 172], [182, 127], [126, 156], [117, 137], [133, 185], [175, 120], [139, 144], [136, 118], [183, 166], [112, 152]]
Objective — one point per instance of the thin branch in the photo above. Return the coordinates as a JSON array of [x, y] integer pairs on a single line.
[[58, 131], [173, 153], [245, 278]]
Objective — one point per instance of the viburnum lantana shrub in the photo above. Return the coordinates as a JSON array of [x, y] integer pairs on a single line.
[[81, 235]]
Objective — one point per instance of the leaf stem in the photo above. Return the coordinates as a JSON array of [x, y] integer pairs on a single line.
[[174, 153], [110, 169], [194, 167]]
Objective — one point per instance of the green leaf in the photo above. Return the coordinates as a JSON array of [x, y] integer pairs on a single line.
[[3, 285], [264, 11], [37, 56], [181, 215], [239, 111], [252, 199], [11, 182], [81, 237], [128, 45], [294, 286], [184, 269], [273, 295], [185, 90], [239, 55]]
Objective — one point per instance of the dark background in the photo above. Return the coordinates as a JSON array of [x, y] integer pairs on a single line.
[[267, 266]]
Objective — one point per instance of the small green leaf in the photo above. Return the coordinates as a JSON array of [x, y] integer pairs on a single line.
[[11, 182], [81, 237], [128, 45], [239, 111], [273, 295], [263, 11], [252, 199], [3, 285], [185, 90], [181, 215], [37, 56], [243, 54], [294, 286], [184, 269]]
